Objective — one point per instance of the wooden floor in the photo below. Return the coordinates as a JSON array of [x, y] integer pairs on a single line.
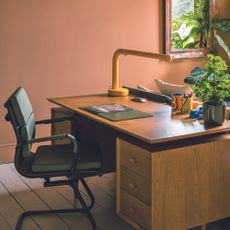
[[18, 194]]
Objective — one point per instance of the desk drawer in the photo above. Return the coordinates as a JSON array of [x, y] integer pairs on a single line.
[[136, 210], [135, 158], [136, 185], [61, 127]]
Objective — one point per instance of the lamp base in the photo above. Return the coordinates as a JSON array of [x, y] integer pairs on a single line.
[[118, 92]]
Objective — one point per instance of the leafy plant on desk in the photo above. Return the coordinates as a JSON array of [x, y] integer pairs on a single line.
[[214, 85]]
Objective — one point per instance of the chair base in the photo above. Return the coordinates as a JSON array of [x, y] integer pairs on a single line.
[[73, 182]]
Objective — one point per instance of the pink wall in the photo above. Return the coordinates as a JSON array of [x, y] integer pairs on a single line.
[[65, 47]]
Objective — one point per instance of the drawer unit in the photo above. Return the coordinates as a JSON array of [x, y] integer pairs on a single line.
[[136, 210], [136, 185], [61, 127], [135, 159]]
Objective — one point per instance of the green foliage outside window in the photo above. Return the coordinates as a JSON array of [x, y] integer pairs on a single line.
[[192, 29]]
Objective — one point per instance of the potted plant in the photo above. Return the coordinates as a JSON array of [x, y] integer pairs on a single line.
[[212, 84], [212, 88]]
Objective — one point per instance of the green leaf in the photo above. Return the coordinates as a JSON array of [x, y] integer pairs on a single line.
[[191, 45], [196, 76], [223, 45], [177, 43], [189, 36], [198, 71], [202, 9], [222, 24], [213, 83]]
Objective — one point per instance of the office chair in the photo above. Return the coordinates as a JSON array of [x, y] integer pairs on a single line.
[[73, 161]]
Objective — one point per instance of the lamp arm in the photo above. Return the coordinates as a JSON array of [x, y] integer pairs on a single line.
[[115, 90]]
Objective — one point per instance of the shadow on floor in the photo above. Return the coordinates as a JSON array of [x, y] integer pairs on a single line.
[[223, 224]]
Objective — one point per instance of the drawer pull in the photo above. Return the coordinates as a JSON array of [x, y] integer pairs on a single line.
[[132, 160], [132, 185]]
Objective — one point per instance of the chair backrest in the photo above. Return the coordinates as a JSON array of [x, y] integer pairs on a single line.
[[21, 116]]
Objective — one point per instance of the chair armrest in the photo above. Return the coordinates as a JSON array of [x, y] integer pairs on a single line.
[[52, 138], [54, 120], [58, 137]]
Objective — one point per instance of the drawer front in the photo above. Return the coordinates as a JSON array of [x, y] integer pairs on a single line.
[[136, 210], [135, 158], [136, 185], [61, 127]]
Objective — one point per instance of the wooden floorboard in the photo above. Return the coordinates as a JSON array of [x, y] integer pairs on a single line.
[[4, 224], [27, 199], [55, 200], [10, 210], [18, 194], [105, 219]]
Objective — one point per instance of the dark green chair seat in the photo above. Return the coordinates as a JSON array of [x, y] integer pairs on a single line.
[[73, 161], [52, 158]]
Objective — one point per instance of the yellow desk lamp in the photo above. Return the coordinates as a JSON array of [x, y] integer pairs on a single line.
[[115, 90]]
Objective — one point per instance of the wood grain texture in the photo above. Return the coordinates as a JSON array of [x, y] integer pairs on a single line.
[[12, 203], [61, 127], [27, 199], [133, 168], [159, 128], [190, 186], [136, 210], [136, 185], [135, 159], [10, 211], [103, 211]]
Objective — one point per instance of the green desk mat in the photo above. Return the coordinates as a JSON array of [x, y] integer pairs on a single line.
[[121, 116]]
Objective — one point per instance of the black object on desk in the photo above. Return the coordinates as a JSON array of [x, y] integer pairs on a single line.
[[150, 95], [139, 99]]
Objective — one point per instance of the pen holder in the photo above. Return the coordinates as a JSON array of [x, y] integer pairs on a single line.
[[186, 104], [176, 103], [227, 113]]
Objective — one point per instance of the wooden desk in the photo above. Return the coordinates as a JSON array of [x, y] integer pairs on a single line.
[[173, 173]]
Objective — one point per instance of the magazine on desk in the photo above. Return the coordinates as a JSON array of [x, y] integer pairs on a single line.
[[116, 112], [107, 108]]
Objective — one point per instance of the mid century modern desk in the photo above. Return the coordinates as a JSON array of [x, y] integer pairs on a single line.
[[173, 173]]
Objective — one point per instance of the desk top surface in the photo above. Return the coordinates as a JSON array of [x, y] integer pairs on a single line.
[[161, 127]]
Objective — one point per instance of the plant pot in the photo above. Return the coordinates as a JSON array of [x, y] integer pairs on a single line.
[[213, 114]]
